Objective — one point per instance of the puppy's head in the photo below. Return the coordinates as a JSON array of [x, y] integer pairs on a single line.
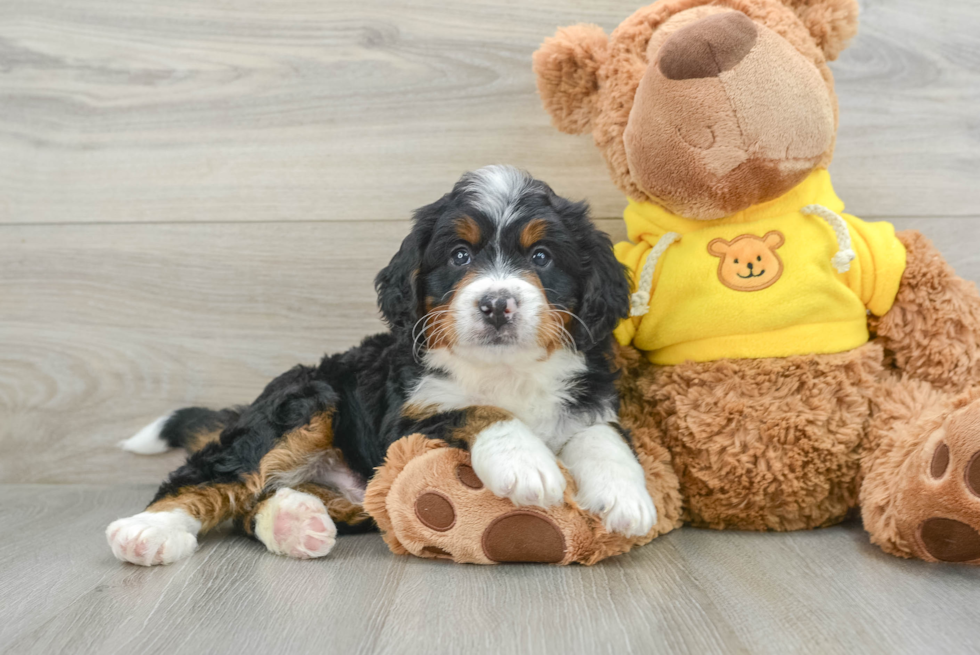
[[502, 264]]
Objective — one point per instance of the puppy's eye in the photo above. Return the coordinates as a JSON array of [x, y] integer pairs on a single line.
[[759, 258], [460, 257], [540, 257], [736, 261]]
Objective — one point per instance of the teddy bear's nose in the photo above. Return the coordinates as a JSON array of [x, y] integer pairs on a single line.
[[708, 47]]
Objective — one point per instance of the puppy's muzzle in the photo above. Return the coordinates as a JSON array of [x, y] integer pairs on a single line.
[[498, 308]]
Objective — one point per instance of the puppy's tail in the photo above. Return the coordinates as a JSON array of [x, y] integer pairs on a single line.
[[191, 428]]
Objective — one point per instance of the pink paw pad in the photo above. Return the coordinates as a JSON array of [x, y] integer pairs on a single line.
[[300, 525]]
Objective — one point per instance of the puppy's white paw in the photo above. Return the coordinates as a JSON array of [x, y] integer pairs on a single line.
[[623, 504], [295, 524], [513, 463], [152, 538]]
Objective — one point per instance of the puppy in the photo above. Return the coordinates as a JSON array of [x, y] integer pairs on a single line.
[[501, 304]]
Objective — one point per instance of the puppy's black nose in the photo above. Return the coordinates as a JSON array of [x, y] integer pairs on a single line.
[[497, 309], [750, 266]]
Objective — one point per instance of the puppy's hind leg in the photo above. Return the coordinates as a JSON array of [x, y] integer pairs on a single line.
[[167, 530], [303, 522]]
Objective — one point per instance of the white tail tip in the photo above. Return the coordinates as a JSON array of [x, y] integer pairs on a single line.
[[147, 441]]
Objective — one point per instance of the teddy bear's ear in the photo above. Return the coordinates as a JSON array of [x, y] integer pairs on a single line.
[[833, 23], [566, 65]]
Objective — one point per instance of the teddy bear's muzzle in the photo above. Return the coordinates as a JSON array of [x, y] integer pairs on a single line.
[[727, 115]]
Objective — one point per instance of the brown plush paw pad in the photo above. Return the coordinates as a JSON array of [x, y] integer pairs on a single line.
[[467, 477], [435, 511], [523, 536], [973, 475], [940, 461], [950, 541]]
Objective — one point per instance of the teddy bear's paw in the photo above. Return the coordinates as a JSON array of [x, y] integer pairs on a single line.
[[437, 507], [499, 533], [515, 464], [295, 524], [948, 525]]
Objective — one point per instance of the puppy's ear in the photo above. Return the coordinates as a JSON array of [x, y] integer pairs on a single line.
[[833, 23], [606, 289], [397, 284], [566, 66]]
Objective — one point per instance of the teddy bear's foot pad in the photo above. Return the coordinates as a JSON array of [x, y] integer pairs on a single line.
[[947, 491], [949, 540], [523, 536]]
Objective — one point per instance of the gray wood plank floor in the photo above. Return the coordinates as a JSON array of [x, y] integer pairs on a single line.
[[196, 195]]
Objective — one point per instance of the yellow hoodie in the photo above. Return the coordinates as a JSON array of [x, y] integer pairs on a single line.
[[760, 283]]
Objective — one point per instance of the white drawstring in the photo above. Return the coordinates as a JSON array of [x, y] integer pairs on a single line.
[[640, 300], [845, 255]]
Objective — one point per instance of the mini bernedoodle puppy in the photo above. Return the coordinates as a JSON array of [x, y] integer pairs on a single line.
[[501, 303]]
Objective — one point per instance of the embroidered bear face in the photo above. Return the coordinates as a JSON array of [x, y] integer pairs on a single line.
[[748, 262]]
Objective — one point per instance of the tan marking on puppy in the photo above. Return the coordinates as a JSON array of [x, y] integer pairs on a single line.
[[553, 324], [440, 329], [479, 418], [419, 412], [295, 448], [533, 232], [198, 440], [468, 230], [211, 504]]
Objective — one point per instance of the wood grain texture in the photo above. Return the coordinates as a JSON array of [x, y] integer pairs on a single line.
[[191, 110], [692, 591]]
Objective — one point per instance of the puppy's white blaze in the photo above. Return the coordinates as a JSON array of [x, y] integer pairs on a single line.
[[152, 538], [513, 463], [496, 190], [470, 326], [147, 441], [611, 482]]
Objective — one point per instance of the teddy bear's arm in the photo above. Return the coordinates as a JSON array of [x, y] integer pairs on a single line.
[[932, 331]]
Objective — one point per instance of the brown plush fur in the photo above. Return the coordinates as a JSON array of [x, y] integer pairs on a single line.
[[588, 82], [931, 332], [766, 444]]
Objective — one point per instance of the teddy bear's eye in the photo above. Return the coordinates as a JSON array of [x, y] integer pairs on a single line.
[[759, 258], [736, 261]]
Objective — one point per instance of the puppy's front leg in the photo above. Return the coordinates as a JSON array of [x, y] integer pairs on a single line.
[[514, 463], [611, 482]]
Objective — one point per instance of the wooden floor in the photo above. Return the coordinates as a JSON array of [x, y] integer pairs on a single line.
[[195, 195]]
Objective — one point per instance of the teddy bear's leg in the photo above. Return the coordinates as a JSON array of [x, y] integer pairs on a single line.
[[920, 494], [932, 332], [428, 501]]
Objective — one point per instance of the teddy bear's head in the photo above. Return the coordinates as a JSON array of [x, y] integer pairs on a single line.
[[705, 107]]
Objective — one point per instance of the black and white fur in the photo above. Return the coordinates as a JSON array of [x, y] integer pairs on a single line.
[[479, 316]]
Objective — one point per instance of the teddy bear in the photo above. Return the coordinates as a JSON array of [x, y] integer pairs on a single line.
[[784, 362]]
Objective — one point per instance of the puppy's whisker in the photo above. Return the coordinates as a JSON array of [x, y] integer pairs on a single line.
[[560, 309]]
